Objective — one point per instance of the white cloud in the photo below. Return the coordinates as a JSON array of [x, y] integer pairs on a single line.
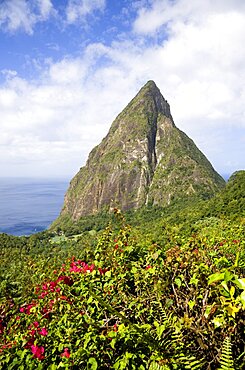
[[45, 8], [23, 14], [78, 9], [160, 13], [16, 14], [56, 121]]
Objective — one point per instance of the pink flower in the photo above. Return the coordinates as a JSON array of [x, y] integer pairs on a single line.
[[51, 303], [43, 332], [76, 269], [91, 268], [36, 324], [148, 267], [42, 295], [38, 352], [66, 353], [29, 307], [52, 285]]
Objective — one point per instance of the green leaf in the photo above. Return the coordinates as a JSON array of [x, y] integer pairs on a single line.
[[178, 282], [228, 276], [218, 321], [90, 300], [216, 277], [191, 304], [194, 280], [134, 270], [207, 311], [52, 367], [94, 365], [242, 297], [113, 342], [240, 283], [224, 285], [108, 273], [160, 330], [232, 291], [60, 347]]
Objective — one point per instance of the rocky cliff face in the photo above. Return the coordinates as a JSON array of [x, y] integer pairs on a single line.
[[144, 159]]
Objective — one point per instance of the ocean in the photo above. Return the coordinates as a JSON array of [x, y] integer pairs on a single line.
[[28, 206]]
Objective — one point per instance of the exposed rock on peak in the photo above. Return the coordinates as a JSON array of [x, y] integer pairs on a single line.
[[144, 159], [151, 92]]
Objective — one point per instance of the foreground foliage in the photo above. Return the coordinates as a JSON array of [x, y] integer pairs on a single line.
[[130, 304]]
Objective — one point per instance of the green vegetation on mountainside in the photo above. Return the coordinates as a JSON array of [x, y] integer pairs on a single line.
[[166, 293], [126, 303], [183, 214]]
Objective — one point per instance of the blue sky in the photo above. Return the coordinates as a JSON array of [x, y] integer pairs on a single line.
[[68, 67]]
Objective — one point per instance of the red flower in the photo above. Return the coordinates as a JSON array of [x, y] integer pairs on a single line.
[[66, 280], [1, 327], [36, 324], [46, 312], [66, 353], [27, 309], [148, 267], [91, 268], [43, 332], [76, 269], [38, 352], [42, 295], [102, 271], [51, 303], [52, 285], [29, 343], [32, 332]]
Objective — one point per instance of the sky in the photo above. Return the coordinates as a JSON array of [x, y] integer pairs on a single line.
[[69, 67]]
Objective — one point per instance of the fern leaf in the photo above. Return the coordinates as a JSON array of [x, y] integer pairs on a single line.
[[226, 359]]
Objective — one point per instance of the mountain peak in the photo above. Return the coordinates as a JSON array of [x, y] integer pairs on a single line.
[[151, 95], [150, 85], [144, 160]]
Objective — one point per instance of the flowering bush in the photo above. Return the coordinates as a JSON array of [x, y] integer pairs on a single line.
[[129, 307]]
